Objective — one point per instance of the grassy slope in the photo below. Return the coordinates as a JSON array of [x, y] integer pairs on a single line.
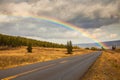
[[107, 67], [19, 56]]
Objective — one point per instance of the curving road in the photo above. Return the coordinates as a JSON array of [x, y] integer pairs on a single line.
[[70, 68]]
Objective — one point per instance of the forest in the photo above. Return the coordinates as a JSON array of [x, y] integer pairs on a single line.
[[17, 41]]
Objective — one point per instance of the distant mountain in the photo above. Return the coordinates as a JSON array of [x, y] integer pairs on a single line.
[[108, 43]]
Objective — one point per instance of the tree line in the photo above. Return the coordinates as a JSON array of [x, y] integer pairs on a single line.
[[17, 41]]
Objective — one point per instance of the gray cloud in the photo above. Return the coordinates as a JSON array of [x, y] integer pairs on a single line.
[[86, 22], [16, 1], [86, 14], [38, 28]]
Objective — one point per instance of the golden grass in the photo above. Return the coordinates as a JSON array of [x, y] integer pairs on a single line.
[[107, 67], [19, 56]]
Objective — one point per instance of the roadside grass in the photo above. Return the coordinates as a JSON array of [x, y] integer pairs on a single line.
[[19, 56], [107, 67]]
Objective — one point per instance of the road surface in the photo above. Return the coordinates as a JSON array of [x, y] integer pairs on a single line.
[[70, 68]]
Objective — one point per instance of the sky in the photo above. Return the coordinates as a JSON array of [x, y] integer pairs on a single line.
[[99, 18]]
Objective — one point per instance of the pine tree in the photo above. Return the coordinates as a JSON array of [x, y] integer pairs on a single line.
[[69, 47], [29, 48]]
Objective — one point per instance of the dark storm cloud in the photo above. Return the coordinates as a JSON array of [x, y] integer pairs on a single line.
[[86, 22], [102, 16]]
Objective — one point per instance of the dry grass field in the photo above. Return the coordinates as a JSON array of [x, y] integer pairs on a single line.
[[107, 67], [19, 56]]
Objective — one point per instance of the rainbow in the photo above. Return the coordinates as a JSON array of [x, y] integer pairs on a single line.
[[68, 26]]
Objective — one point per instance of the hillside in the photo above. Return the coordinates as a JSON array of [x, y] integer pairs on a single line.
[[17, 41]]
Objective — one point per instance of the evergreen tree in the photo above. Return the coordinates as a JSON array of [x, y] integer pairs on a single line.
[[69, 47], [29, 48]]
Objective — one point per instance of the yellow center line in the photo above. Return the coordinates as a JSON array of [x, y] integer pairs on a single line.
[[63, 61], [17, 75]]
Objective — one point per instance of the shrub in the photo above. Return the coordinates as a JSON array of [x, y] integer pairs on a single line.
[[114, 47], [87, 48], [94, 48]]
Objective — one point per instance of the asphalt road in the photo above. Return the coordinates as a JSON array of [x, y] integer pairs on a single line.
[[70, 68]]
